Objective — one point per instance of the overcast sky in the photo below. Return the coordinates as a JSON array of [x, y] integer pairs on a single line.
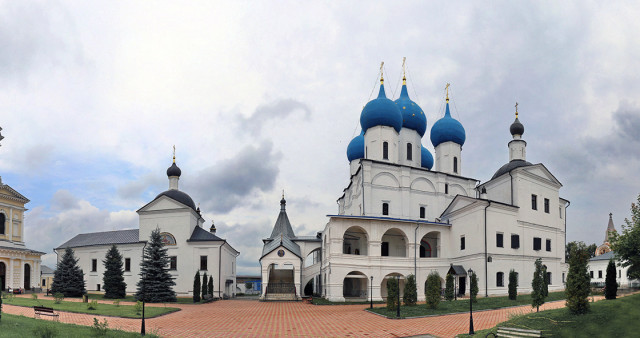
[[259, 97]]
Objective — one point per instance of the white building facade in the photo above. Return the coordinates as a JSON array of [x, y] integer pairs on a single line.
[[598, 264], [399, 215], [190, 247]]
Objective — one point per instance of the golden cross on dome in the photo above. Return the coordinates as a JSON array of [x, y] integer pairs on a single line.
[[447, 89], [404, 71], [381, 73], [174, 153], [516, 109]]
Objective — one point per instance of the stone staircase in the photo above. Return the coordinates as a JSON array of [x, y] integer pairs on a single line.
[[280, 297]]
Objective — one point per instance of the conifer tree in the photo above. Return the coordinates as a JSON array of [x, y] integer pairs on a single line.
[[410, 292], [113, 277], [156, 283], [537, 286], [432, 290], [611, 286], [68, 278], [392, 294], [513, 284], [578, 280], [205, 289], [448, 289], [210, 285], [545, 279], [196, 287], [474, 287]]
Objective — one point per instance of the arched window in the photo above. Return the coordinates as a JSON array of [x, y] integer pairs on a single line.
[[425, 248], [422, 212], [409, 152], [2, 221], [500, 279], [385, 208], [455, 164], [385, 150]]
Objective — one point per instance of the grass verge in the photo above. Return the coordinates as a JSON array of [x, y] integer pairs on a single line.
[[455, 306], [607, 318], [323, 301], [20, 326], [126, 311]]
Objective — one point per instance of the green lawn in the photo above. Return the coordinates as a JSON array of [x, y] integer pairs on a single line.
[[20, 326], [608, 318], [463, 305], [132, 298], [127, 311]]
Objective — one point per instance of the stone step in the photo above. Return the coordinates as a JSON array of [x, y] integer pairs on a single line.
[[280, 297]]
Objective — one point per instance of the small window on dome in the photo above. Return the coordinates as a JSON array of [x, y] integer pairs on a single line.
[[385, 150], [409, 152]]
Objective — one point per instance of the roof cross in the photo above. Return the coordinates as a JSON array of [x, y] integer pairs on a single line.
[[516, 109]]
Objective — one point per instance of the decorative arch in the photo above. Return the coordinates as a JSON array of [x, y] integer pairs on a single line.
[[355, 241], [394, 243], [457, 189], [312, 258], [167, 238], [429, 245], [383, 286], [385, 179], [355, 285], [423, 184]]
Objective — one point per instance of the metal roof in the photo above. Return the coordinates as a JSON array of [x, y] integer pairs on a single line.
[[604, 257], [202, 235], [103, 238]]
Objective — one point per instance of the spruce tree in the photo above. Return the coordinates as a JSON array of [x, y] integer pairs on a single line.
[[513, 284], [578, 288], [156, 283], [448, 289], [537, 286], [392, 294], [611, 286], [204, 286], [474, 287], [196, 287], [210, 286], [432, 290], [410, 292], [68, 278], [113, 277]]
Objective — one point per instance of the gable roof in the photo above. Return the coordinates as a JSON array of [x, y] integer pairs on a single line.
[[45, 269], [202, 235], [13, 194], [284, 241], [103, 238], [604, 257]]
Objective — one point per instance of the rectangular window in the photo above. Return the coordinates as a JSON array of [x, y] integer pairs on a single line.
[[94, 265], [385, 249], [499, 240], [563, 277], [599, 273], [546, 205], [515, 241], [537, 243], [462, 244], [591, 274], [385, 209], [127, 264], [422, 212], [173, 263], [548, 245], [98, 286], [44, 282], [385, 150], [446, 188], [500, 279], [203, 262], [548, 278], [619, 273], [409, 152], [534, 202]]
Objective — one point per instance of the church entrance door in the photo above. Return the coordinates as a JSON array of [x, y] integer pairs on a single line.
[[3, 273], [281, 282], [27, 277], [462, 282]]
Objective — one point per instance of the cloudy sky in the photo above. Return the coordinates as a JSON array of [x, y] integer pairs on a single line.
[[259, 97]]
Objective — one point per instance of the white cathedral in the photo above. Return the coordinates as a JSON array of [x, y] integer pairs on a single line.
[[399, 216]]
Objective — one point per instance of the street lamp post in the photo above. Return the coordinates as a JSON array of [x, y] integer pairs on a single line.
[[142, 329], [470, 305], [371, 292], [398, 285]]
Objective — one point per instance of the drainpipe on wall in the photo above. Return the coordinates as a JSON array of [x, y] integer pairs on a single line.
[[486, 264], [362, 185], [565, 226], [511, 181], [415, 252]]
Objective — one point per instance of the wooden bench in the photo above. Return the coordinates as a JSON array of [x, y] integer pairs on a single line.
[[45, 311], [515, 332]]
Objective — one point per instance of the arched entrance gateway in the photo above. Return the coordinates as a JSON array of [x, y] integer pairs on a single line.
[[27, 277], [355, 286]]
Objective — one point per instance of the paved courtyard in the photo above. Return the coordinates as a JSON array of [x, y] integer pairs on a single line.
[[251, 318]]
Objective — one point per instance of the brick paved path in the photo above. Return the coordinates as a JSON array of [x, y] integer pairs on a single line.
[[251, 318]]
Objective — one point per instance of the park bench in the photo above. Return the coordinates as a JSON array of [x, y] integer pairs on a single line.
[[515, 332], [45, 311]]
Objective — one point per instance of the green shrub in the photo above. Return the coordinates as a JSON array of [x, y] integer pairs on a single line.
[[513, 284], [410, 291], [92, 305], [611, 286], [392, 294], [34, 296], [44, 331], [100, 329], [474, 287], [58, 298], [538, 285], [138, 307], [116, 302], [432, 290], [578, 279], [448, 289]]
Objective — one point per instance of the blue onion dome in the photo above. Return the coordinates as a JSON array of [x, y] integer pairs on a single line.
[[381, 112], [173, 169], [427, 158], [355, 150], [447, 129], [412, 115]]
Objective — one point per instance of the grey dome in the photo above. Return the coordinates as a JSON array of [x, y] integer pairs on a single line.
[[516, 128], [174, 170], [510, 166], [179, 196]]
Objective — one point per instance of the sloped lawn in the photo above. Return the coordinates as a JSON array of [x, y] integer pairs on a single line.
[[126, 311]]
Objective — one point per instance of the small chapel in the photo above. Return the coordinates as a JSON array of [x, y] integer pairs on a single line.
[[604, 253]]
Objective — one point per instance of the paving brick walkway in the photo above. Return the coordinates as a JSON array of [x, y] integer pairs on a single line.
[[251, 318]]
